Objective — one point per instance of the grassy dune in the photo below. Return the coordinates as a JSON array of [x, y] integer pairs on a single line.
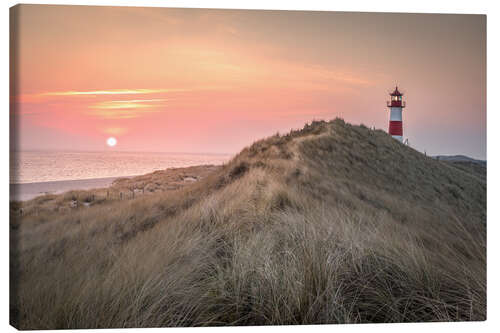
[[330, 224]]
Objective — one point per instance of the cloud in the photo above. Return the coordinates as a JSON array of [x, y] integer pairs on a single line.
[[110, 92], [121, 113], [126, 109], [114, 130], [128, 104]]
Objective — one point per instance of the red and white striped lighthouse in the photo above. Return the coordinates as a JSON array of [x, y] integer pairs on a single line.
[[396, 106]]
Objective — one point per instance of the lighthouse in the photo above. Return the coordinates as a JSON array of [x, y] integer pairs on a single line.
[[396, 106]]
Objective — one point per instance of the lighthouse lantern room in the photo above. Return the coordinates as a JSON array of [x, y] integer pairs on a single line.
[[396, 105]]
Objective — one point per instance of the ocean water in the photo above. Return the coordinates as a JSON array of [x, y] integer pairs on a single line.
[[31, 167]]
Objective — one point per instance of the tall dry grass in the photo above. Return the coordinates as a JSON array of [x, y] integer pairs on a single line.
[[331, 224]]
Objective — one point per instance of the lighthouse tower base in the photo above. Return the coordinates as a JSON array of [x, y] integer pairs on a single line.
[[398, 137]]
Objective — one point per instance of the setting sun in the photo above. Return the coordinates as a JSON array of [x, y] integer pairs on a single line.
[[111, 142]]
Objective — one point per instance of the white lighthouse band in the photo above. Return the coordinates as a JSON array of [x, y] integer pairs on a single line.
[[396, 114], [398, 137]]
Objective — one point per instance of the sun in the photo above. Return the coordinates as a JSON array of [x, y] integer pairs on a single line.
[[111, 142]]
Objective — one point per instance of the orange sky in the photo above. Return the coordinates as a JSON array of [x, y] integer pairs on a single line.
[[197, 80]]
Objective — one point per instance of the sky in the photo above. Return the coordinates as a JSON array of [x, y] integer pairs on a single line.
[[214, 81]]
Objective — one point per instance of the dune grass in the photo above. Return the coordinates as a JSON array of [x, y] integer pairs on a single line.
[[330, 224]]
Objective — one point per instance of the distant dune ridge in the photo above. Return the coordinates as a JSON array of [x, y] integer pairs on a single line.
[[333, 223], [459, 158]]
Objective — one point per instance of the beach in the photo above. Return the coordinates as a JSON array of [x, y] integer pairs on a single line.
[[52, 166], [35, 173], [157, 181], [28, 191]]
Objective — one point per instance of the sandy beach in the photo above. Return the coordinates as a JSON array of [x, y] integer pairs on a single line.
[[158, 181], [27, 191]]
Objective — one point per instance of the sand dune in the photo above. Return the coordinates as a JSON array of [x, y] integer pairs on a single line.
[[333, 223]]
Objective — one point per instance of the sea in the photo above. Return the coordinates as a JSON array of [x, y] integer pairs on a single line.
[[50, 166]]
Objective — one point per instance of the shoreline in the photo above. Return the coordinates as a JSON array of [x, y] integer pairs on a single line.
[[28, 191], [156, 181]]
